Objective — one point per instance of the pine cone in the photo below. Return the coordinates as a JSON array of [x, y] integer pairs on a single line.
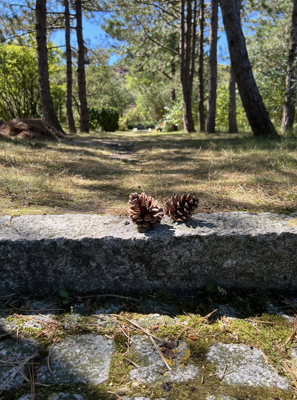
[[181, 208], [144, 211]]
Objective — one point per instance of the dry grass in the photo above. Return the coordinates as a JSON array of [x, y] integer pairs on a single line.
[[228, 172]]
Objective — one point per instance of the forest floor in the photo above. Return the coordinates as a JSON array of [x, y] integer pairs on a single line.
[[95, 173]]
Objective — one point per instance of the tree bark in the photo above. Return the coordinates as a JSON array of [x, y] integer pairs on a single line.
[[232, 91], [173, 92], [201, 118], [70, 119], [187, 59], [232, 102], [46, 101], [290, 97], [82, 93], [256, 112], [213, 68]]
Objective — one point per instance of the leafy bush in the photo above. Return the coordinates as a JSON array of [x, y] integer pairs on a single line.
[[19, 93], [105, 118]]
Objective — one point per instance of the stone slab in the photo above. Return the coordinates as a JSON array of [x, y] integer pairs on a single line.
[[247, 366], [14, 352], [152, 368], [43, 254], [54, 396], [81, 358]]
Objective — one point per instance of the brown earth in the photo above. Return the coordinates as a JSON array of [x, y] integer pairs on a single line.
[[30, 128]]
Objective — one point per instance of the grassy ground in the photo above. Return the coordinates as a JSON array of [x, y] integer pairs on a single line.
[[96, 173]]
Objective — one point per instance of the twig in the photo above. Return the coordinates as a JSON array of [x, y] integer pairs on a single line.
[[118, 397], [288, 369], [132, 362], [196, 322], [126, 335], [48, 357], [160, 353], [202, 378], [292, 334], [107, 295], [41, 309], [222, 376], [31, 373], [138, 327], [12, 226], [22, 364], [270, 322]]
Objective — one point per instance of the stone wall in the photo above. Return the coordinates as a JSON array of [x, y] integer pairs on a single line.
[[39, 255]]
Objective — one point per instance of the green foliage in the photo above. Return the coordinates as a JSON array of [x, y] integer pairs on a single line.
[[222, 110], [65, 295], [106, 118], [19, 93], [106, 84]]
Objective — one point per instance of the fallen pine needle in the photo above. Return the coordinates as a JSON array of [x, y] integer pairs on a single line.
[[194, 323], [160, 353], [138, 327], [48, 357], [292, 334], [290, 372], [132, 362]]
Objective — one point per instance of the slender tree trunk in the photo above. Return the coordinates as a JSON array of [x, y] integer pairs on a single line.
[[187, 59], [201, 118], [232, 102], [70, 119], [290, 98], [47, 106], [213, 67], [252, 101], [173, 93], [232, 91], [84, 115]]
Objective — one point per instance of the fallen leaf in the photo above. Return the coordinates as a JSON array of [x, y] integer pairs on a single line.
[[88, 303], [193, 337]]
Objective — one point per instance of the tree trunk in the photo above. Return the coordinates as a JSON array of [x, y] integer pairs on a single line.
[[47, 107], [256, 112], [201, 118], [289, 104], [70, 119], [232, 90], [82, 94], [213, 68], [173, 93], [187, 59], [232, 102]]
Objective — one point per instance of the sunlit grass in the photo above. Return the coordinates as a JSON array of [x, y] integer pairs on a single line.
[[228, 172]]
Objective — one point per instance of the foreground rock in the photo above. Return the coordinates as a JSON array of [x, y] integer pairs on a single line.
[[42, 254], [81, 358], [15, 353], [238, 364], [152, 368]]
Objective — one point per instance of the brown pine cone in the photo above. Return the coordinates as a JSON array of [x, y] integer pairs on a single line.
[[144, 211], [181, 208]]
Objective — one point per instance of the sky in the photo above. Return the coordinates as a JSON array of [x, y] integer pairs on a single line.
[[97, 36], [92, 32]]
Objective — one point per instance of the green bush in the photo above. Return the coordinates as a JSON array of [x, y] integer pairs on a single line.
[[105, 118]]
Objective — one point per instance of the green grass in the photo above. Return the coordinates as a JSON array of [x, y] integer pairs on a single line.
[[228, 172]]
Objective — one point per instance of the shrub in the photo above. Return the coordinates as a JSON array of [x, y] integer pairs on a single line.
[[105, 118]]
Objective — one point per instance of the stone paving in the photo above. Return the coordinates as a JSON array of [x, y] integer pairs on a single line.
[[88, 365]]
